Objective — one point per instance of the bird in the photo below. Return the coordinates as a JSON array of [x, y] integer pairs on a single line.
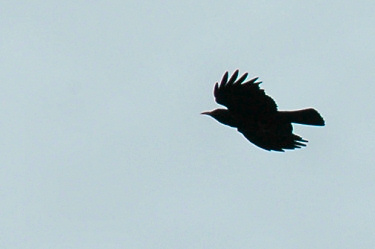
[[256, 115]]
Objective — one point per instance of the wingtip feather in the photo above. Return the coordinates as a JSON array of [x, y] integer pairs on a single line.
[[233, 78], [216, 88], [241, 79], [224, 79]]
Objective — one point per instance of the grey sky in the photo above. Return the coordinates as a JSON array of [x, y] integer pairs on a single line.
[[102, 144]]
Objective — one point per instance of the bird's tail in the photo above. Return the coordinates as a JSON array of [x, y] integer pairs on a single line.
[[306, 116]]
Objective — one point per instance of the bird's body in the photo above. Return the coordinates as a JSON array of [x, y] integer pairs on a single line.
[[255, 114]]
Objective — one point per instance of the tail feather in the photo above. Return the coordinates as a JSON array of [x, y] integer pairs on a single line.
[[306, 116]]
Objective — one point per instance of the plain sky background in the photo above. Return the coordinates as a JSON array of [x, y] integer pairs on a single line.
[[103, 146]]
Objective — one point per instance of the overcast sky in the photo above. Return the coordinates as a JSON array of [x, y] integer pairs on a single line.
[[103, 145]]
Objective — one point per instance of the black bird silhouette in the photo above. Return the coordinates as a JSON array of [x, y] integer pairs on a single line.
[[255, 114]]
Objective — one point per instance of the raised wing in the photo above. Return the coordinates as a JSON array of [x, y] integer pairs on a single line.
[[245, 97]]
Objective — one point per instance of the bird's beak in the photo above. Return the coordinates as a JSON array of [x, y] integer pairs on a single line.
[[205, 113]]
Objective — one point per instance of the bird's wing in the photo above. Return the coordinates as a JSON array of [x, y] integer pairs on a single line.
[[243, 96], [277, 137]]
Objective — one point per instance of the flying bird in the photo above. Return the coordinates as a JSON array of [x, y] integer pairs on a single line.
[[255, 114]]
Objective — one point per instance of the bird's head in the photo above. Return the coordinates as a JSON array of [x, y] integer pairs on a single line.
[[222, 115]]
